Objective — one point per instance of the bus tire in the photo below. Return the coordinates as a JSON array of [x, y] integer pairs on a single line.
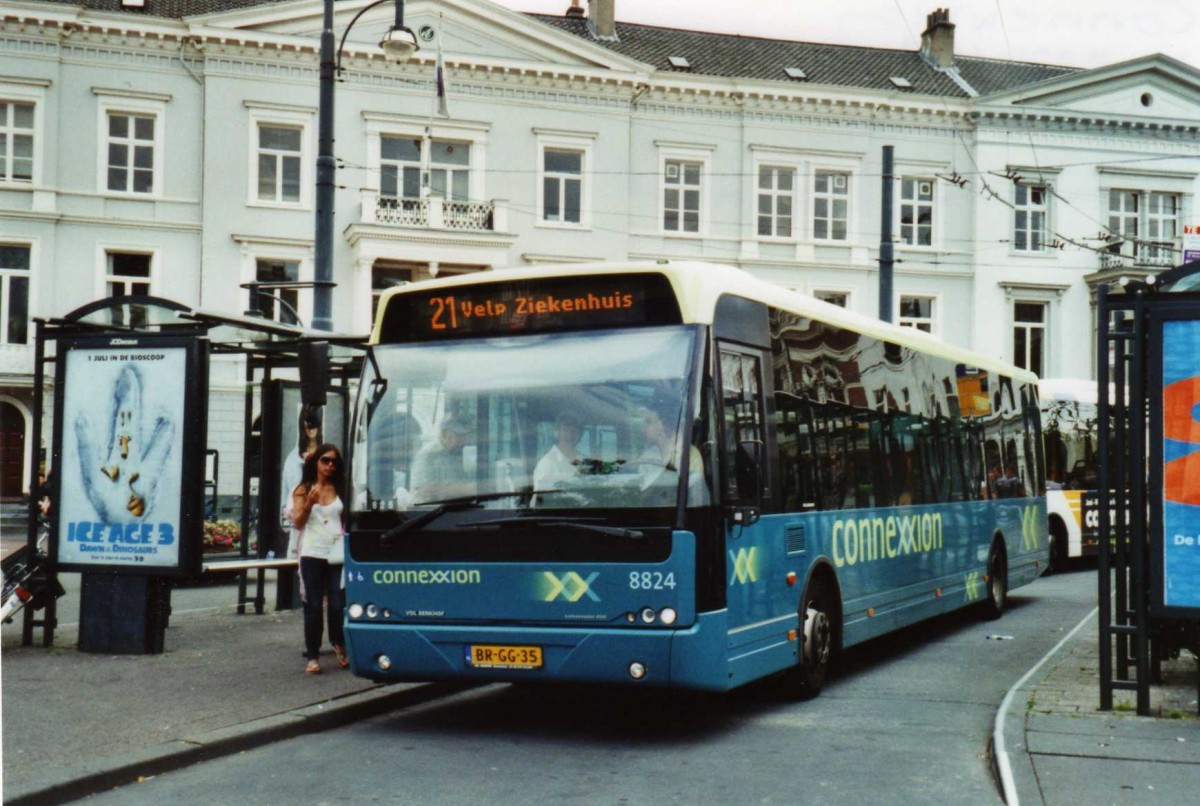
[[1058, 547], [997, 582], [818, 638]]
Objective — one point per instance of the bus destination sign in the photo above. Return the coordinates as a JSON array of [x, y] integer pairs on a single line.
[[530, 306]]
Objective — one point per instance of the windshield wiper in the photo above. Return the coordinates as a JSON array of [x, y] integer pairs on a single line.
[[580, 524], [440, 508]]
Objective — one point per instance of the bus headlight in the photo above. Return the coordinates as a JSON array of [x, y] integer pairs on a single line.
[[668, 615], [356, 610], [372, 611], [383, 662], [648, 615], [637, 670]]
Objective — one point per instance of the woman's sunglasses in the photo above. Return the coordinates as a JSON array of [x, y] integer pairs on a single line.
[[329, 460]]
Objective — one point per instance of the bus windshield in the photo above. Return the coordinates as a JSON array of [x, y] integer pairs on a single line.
[[559, 421]]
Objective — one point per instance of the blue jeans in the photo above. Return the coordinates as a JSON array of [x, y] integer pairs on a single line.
[[321, 580]]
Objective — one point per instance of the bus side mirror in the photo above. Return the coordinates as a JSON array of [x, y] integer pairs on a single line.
[[314, 372]]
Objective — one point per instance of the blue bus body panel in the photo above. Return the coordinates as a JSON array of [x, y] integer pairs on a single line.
[[894, 567], [428, 615]]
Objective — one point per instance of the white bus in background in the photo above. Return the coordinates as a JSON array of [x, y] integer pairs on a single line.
[[1070, 420]]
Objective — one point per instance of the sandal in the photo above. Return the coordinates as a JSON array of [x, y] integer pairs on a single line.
[[343, 660], [313, 667]]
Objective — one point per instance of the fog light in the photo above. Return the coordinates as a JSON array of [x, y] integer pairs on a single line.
[[637, 670], [372, 611], [356, 610], [631, 618], [648, 615], [668, 615], [387, 613], [383, 662]]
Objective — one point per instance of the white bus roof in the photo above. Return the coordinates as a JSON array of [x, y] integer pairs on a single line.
[[697, 287], [1073, 389]]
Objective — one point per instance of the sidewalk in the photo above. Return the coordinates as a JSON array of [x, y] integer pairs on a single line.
[[1064, 750], [76, 723]]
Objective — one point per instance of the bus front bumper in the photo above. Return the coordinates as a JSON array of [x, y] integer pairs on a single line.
[[692, 657]]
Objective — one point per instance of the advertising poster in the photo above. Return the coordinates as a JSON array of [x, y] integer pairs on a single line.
[[121, 460], [1181, 464], [1191, 242]]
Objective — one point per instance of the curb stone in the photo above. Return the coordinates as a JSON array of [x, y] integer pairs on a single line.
[[71, 783]]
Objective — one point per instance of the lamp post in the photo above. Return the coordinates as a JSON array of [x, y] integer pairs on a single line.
[[399, 43]]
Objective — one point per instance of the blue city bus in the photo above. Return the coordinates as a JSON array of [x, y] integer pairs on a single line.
[[671, 474]]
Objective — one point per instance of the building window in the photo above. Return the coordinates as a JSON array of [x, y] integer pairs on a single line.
[[562, 185], [131, 153], [278, 304], [400, 164], [1146, 225], [838, 298], [127, 274], [1029, 221], [1029, 336], [831, 205], [16, 141], [681, 196], [775, 197], [916, 211], [1162, 228], [14, 294], [279, 161], [916, 312]]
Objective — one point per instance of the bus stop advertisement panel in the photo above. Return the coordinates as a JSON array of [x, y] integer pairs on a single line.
[[1175, 462], [129, 437]]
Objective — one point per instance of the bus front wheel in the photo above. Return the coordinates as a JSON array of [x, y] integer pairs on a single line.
[[997, 582], [818, 640]]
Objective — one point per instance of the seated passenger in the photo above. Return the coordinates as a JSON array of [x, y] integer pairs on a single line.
[[438, 471], [659, 461]]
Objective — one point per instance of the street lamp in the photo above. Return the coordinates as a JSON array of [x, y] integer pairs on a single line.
[[398, 43]]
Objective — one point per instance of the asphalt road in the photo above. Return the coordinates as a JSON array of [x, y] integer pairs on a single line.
[[907, 721]]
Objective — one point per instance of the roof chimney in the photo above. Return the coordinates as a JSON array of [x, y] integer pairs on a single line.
[[602, 14], [937, 41], [575, 11]]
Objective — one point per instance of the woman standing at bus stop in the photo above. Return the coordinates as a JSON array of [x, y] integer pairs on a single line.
[[318, 516]]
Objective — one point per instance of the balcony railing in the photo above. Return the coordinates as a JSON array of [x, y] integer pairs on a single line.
[[1141, 253], [434, 213]]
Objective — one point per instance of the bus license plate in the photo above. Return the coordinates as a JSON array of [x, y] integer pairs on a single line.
[[492, 656]]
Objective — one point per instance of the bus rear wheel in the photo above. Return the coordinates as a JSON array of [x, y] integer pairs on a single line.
[[1058, 547], [817, 645], [997, 582]]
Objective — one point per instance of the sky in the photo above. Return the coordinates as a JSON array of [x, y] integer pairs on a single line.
[[1065, 32]]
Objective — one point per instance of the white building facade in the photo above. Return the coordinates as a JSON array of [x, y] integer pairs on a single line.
[[170, 149]]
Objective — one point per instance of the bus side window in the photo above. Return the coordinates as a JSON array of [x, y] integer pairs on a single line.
[[741, 395], [796, 455]]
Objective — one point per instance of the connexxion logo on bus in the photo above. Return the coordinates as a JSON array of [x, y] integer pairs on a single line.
[[445, 576]]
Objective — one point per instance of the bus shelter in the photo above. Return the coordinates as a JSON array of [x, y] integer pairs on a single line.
[[134, 483], [1148, 357]]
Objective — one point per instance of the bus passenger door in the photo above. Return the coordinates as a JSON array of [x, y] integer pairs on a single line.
[[745, 481]]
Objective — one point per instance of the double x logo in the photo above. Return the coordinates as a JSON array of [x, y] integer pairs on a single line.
[[1029, 528], [570, 586], [745, 565], [972, 586]]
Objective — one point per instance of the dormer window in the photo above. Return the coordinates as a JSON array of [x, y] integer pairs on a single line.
[[795, 73], [901, 83], [679, 62]]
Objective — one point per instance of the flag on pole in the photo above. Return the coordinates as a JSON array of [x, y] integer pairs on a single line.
[[443, 108]]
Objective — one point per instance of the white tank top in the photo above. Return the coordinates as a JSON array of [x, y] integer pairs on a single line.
[[322, 535]]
